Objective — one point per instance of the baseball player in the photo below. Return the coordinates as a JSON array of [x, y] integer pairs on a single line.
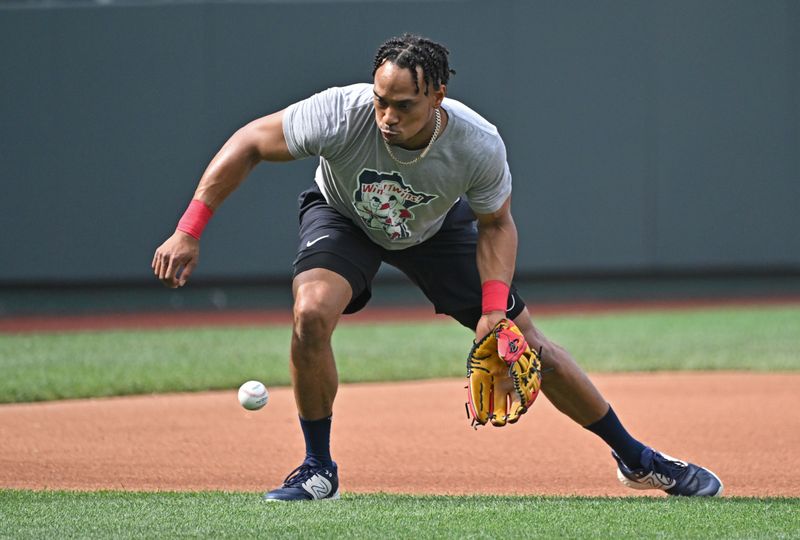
[[412, 178]]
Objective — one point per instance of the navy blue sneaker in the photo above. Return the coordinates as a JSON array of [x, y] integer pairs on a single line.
[[676, 477], [309, 482]]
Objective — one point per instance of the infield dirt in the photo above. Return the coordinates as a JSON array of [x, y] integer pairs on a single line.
[[410, 437]]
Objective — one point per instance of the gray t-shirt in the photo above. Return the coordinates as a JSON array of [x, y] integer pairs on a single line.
[[398, 206]]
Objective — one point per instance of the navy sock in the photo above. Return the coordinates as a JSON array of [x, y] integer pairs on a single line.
[[610, 429], [317, 434]]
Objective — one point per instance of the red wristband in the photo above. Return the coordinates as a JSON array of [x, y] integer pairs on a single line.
[[495, 296], [195, 218]]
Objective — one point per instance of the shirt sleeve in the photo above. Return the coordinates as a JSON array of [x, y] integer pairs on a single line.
[[491, 182], [311, 126]]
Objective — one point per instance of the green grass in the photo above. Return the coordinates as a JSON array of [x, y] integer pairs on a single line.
[[85, 364], [51, 514], [54, 366], [760, 339]]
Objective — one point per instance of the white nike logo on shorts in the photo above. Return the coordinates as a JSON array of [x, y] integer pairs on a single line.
[[312, 242]]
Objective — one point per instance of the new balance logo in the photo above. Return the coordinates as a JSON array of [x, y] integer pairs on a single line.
[[656, 480], [312, 242], [318, 486]]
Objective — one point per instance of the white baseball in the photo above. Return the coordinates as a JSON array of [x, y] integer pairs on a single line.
[[253, 395]]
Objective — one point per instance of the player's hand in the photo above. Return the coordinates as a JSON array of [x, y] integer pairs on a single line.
[[486, 323], [175, 259]]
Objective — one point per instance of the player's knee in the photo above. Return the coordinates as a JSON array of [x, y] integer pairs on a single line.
[[550, 356], [313, 323]]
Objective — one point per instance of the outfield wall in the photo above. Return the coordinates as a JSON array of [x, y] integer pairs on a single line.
[[643, 136]]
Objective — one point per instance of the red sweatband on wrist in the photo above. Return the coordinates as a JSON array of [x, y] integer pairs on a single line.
[[495, 296], [195, 218]]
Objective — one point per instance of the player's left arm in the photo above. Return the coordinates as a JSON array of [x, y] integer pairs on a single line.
[[497, 255]]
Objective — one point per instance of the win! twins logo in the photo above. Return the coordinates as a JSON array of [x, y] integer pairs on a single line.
[[384, 201]]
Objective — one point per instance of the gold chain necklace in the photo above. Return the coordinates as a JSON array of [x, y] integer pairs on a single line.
[[424, 153]]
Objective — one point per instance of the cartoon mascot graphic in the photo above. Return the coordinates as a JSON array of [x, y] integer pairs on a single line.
[[384, 202]]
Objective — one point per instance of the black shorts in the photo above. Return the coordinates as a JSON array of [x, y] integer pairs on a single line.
[[443, 267]]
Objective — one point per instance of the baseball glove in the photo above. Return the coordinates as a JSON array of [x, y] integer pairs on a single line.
[[504, 376]]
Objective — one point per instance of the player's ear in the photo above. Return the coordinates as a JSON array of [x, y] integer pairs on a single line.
[[439, 94]]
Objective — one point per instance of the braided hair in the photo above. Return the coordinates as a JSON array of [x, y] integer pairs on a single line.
[[409, 51]]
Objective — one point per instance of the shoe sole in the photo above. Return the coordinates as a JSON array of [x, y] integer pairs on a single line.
[[333, 497], [636, 485]]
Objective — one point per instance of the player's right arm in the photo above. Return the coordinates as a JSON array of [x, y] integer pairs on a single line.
[[260, 140]]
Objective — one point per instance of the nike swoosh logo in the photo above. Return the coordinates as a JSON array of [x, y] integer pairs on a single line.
[[312, 242]]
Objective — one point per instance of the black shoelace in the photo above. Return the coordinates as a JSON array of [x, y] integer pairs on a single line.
[[667, 467], [299, 475]]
